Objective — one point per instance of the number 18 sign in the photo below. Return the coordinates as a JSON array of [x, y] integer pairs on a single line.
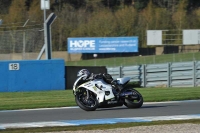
[[13, 66]]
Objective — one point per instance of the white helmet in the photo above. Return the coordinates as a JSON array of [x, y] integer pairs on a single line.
[[83, 72]]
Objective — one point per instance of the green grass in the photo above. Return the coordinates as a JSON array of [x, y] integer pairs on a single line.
[[65, 98], [136, 60], [169, 94], [42, 99]]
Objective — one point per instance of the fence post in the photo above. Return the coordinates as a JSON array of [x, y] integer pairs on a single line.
[[144, 75], [194, 73], [169, 75], [120, 72]]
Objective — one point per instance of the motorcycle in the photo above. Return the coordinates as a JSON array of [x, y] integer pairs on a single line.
[[104, 92]]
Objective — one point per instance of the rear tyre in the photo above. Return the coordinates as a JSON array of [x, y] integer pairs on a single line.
[[87, 104], [133, 101]]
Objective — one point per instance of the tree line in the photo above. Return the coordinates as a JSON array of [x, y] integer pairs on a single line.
[[103, 18]]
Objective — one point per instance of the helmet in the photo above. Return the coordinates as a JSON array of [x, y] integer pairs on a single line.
[[83, 72]]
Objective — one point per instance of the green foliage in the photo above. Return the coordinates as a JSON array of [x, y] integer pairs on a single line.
[[105, 18], [179, 16]]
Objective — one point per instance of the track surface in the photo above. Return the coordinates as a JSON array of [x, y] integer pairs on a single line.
[[75, 113]]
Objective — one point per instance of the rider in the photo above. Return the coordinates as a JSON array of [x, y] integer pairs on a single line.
[[106, 77], [88, 75]]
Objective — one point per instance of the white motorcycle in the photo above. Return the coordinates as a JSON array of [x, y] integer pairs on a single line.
[[104, 92]]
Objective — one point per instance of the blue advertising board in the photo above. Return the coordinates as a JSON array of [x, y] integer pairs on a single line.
[[103, 45], [32, 75]]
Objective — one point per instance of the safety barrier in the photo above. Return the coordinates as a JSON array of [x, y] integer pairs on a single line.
[[178, 74], [35, 75]]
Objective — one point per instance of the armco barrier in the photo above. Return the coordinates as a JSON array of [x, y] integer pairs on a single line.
[[34, 75], [178, 74]]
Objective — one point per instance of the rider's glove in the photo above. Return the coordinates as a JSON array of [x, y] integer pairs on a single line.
[[98, 76], [91, 76]]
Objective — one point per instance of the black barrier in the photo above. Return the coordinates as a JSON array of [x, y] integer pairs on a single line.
[[71, 72], [171, 49]]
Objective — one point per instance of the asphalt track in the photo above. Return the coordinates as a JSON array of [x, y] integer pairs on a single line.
[[73, 115]]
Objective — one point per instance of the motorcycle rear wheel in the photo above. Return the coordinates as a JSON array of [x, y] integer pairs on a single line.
[[87, 104], [131, 101]]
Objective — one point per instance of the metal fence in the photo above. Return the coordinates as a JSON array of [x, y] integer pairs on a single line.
[[181, 74], [20, 44]]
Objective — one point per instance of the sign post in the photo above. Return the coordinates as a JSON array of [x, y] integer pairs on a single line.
[[45, 5]]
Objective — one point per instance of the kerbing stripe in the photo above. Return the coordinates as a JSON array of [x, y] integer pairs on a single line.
[[98, 121], [36, 124], [105, 121], [2, 128]]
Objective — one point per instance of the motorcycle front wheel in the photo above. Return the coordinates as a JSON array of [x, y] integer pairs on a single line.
[[133, 101], [84, 102]]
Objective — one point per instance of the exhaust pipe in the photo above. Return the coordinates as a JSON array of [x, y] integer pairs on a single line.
[[130, 93]]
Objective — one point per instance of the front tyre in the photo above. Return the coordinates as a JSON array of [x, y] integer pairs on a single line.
[[84, 102], [135, 100]]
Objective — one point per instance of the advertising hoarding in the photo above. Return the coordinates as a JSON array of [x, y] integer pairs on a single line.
[[154, 37], [191, 37], [103, 45]]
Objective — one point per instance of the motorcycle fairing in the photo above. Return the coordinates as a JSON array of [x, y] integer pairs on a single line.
[[123, 80], [100, 92], [75, 84]]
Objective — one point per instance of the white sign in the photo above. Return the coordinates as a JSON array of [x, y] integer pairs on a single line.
[[191, 37], [45, 4], [154, 37], [13, 66]]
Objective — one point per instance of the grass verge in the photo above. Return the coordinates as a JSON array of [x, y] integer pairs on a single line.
[[65, 98], [137, 60]]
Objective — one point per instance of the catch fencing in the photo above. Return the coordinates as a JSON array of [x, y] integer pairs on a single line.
[[21, 44], [178, 74]]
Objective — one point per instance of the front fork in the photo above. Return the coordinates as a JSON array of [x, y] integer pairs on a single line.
[[87, 92], [88, 95]]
